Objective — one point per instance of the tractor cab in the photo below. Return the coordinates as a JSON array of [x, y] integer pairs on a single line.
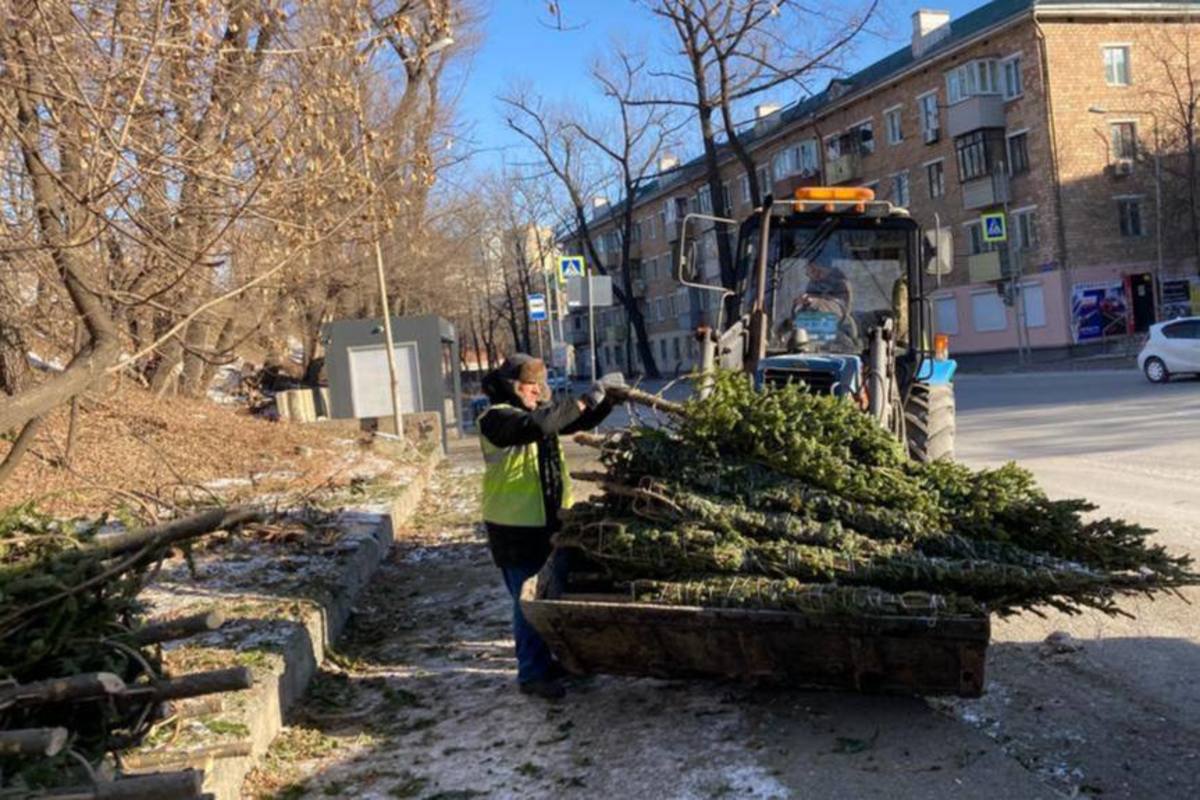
[[835, 284]]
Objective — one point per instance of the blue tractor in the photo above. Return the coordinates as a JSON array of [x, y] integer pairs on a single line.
[[837, 286]]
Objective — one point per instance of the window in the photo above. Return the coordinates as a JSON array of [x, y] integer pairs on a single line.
[[1013, 87], [945, 311], [972, 156], [763, 174], [676, 343], [662, 221], [935, 173], [987, 311], [726, 197], [1033, 301], [669, 211], [1018, 153], [972, 78], [866, 137], [976, 243], [1116, 65], [1124, 140], [1025, 229], [892, 121], [662, 348], [1188, 329], [1129, 212], [808, 162], [649, 228], [705, 196], [900, 194], [781, 164], [744, 183], [833, 148], [930, 125]]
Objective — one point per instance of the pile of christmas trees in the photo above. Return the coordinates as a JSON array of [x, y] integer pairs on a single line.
[[787, 500]]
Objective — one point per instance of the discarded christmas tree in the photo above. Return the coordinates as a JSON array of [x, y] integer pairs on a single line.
[[784, 499]]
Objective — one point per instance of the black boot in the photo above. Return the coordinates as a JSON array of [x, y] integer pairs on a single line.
[[546, 688]]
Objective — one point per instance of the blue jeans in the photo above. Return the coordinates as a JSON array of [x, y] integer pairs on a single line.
[[533, 657]]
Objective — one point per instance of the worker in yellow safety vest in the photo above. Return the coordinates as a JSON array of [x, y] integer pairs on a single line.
[[525, 484]]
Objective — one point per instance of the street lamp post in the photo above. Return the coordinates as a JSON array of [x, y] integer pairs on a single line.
[[380, 277], [1158, 238]]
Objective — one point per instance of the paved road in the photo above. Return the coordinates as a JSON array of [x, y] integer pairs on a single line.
[[1124, 710]]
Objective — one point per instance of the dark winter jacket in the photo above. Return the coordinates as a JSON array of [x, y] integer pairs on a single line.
[[513, 545]]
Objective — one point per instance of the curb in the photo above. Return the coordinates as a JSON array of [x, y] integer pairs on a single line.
[[262, 707]]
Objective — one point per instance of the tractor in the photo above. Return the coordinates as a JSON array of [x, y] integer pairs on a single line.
[[837, 286]]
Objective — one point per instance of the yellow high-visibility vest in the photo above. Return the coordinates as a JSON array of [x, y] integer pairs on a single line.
[[512, 487]]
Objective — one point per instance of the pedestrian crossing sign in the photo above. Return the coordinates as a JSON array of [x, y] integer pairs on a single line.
[[570, 267], [995, 228]]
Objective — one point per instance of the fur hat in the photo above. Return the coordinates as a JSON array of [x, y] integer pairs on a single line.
[[500, 384], [531, 370]]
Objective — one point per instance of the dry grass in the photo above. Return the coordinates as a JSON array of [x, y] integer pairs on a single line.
[[131, 444]]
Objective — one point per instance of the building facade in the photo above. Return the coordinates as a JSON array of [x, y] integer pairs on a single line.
[[1063, 115]]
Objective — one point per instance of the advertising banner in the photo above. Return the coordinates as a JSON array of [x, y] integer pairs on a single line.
[[1099, 309], [1177, 299]]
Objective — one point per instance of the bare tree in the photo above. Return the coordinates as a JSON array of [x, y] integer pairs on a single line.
[[734, 51], [573, 153], [1175, 93], [641, 136]]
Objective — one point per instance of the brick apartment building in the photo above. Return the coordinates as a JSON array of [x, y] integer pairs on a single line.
[[1055, 111]]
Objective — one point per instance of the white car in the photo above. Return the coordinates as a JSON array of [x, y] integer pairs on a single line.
[[1173, 347]]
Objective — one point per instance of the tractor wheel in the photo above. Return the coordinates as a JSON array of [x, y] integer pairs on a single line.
[[929, 420]]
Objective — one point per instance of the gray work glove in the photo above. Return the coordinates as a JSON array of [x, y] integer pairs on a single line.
[[612, 379], [594, 395]]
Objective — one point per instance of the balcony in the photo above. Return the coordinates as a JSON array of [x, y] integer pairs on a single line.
[[975, 113], [989, 190], [844, 168], [984, 267]]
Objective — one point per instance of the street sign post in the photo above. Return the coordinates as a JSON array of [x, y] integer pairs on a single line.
[[537, 307], [995, 227]]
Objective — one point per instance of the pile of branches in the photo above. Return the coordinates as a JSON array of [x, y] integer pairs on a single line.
[[81, 675], [788, 500]]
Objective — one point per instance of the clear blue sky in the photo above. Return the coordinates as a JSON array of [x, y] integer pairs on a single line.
[[517, 47]]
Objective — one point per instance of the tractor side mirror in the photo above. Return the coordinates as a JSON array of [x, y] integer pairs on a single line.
[[939, 251]]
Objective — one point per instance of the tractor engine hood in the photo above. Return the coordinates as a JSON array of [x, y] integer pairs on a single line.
[[823, 374]]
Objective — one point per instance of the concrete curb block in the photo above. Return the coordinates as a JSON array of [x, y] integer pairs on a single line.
[[263, 706]]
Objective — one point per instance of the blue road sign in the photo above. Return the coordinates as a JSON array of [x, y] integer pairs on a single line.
[[994, 227], [570, 267], [537, 307]]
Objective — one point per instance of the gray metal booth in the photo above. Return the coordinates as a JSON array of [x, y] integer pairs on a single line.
[[427, 364]]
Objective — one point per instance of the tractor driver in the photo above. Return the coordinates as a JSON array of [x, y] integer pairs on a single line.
[[827, 290]]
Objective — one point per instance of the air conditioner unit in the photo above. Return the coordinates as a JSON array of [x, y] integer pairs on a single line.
[[932, 135], [1122, 167]]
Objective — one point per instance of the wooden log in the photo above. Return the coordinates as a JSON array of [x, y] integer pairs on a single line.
[[183, 785], [87, 686], [177, 530], [628, 394], [193, 685], [33, 742], [197, 756], [196, 707], [181, 628]]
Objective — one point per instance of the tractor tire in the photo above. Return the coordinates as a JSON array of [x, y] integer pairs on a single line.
[[929, 421]]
